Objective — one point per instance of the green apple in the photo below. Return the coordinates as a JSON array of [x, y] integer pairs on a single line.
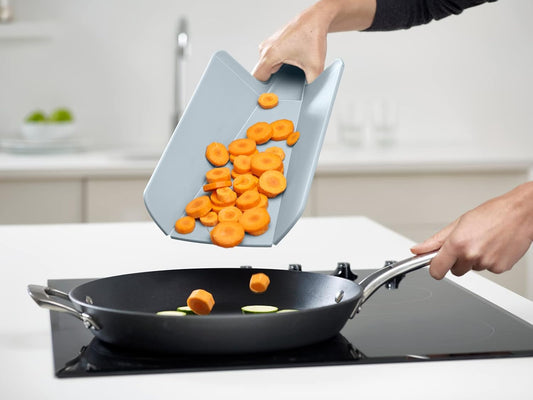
[[61, 115], [36, 116]]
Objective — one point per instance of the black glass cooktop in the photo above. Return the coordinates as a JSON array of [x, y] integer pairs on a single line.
[[422, 320]]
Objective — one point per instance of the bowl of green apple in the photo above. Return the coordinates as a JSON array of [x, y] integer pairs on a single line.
[[39, 126]]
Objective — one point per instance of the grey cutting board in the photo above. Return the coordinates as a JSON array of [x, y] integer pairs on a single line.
[[222, 107]]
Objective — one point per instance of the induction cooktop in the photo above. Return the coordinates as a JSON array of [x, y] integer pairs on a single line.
[[421, 320]]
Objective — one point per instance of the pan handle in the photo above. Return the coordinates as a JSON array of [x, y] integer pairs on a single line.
[[44, 297], [380, 277]]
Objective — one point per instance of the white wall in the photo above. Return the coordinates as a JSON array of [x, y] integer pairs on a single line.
[[463, 79]]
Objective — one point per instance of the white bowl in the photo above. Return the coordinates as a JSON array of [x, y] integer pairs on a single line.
[[44, 131]]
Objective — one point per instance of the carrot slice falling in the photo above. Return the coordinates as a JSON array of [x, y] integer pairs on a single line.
[[259, 282], [227, 234], [260, 132], [293, 138], [255, 221], [268, 100], [217, 154], [272, 183], [185, 225], [218, 174], [201, 302], [198, 207], [281, 129]]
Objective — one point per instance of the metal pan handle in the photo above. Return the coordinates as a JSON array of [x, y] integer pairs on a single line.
[[44, 297], [384, 275]]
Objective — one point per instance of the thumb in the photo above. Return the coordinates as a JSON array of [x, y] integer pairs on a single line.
[[435, 242]]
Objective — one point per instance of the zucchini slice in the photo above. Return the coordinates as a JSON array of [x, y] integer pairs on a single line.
[[259, 309], [172, 313], [186, 309]]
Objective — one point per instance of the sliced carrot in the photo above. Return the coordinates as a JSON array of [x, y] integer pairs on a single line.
[[265, 161], [216, 185], [272, 183], [198, 207], [293, 138], [185, 224], [229, 214], [218, 174], [242, 146], [263, 202], [244, 182], [225, 195], [268, 100], [260, 132], [276, 150], [227, 234], [259, 282], [210, 219], [217, 154], [241, 164], [281, 129], [217, 208], [234, 174], [255, 221], [219, 203], [201, 302], [248, 199]]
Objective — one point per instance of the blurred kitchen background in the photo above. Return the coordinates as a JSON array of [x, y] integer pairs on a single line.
[[427, 124]]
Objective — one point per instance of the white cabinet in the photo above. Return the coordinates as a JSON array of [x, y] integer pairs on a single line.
[[416, 204]]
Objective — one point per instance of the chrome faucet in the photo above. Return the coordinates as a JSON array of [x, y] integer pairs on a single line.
[[182, 52]]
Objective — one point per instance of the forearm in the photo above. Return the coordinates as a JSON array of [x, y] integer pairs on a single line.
[[344, 15]]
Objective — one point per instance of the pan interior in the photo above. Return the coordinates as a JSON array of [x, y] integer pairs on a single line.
[[150, 292]]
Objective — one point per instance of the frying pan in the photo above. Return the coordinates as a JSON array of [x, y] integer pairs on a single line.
[[121, 310]]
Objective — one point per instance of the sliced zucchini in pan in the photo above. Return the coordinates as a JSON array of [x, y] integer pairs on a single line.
[[186, 309], [172, 313], [259, 309], [287, 310]]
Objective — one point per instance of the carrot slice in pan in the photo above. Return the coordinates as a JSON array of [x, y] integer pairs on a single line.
[[265, 161], [255, 221], [272, 183], [248, 199], [259, 282], [242, 146], [185, 224], [268, 100], [260, 132], [293, 138], [198, 207], [216, 185], [276, 150], [241, 164], [218, 174], [227, 234], [244, 182], [217, 154], [210, 219], [229, 214], [281, 129], [201, 302]]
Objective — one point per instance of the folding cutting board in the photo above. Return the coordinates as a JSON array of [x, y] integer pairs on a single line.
[[221, 109]]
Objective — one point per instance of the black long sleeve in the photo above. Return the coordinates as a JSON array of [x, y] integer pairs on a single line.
[[404, 14]]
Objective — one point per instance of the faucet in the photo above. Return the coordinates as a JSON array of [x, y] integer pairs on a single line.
[[182, 51]]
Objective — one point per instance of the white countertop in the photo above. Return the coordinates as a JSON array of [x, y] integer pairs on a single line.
[[333, 159], [33, 254]]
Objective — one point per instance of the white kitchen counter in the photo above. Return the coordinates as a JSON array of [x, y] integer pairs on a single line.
[[33, 254], [333, 159]]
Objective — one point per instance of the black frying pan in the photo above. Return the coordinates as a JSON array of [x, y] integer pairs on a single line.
[[121, 310]]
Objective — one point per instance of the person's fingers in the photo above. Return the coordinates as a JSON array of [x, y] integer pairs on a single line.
[[262, 71], [461, 267], [441, 263], [435, 242]]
